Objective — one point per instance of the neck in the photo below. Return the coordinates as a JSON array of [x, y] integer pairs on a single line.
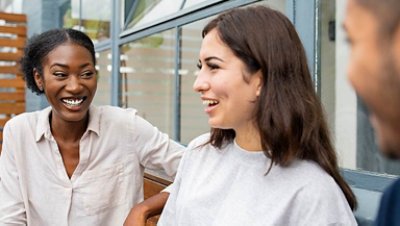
[[68, 131], [248, 138]]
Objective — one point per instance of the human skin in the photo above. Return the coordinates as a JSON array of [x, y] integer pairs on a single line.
[[374, 73], [228, 91]]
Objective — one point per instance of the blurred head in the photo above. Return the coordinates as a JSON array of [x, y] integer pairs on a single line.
[[373, 30], [61, 64], [252, 60]]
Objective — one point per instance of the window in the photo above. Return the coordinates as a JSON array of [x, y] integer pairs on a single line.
[[103, 67], [91, 16], [147, 70]]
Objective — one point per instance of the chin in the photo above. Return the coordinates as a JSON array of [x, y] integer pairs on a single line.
[[390, 150]]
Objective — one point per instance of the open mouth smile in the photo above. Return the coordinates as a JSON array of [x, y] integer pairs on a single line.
[[73, 101], [210, 103]]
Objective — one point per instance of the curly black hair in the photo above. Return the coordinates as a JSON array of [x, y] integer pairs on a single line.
[[39, 46]]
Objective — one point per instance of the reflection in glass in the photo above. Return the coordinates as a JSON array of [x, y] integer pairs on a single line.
[[103, 67], [147, 70], [95, 18], [189, 3], [146, 11]]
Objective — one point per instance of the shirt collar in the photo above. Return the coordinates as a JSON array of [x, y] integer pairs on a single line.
[[43, 126]]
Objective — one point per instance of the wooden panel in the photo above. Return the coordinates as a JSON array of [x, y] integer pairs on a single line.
[[18, 30], [3, 121], [10, 56], [12, 108], [153, 185], [12, 96], [15, 42], [10, 83], [13, 17], [10, 70]]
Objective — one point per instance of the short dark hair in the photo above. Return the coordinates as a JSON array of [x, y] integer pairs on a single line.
[[39, 46], [387, 14], [288, 112]]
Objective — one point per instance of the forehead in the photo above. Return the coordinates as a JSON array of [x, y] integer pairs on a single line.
[[213, 45], [358, 18], [68, 52]]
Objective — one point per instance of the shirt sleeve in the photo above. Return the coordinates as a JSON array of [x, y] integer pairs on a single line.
[[156, 150], [12, 209]]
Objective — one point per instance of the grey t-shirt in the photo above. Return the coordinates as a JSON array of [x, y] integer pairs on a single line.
[[229, 187]]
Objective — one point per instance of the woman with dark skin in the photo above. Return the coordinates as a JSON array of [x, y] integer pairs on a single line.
[[74, 163]]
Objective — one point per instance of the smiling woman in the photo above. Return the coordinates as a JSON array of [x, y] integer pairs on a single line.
[[74, 162], [268, 159]]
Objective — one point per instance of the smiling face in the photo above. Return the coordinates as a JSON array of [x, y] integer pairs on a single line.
[[227, 89], [375, 75], [68, 81]]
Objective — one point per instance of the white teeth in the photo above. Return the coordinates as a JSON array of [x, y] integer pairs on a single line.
[[73, 102], [210, 102]]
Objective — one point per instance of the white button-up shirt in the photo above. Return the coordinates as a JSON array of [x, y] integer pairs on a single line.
[[35, 189]]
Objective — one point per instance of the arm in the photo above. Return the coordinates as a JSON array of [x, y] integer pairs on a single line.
[[146, 209], [12, 209], [155, 149]]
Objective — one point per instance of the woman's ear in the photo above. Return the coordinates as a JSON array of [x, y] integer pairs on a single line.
[[38, 79], [258, 82]]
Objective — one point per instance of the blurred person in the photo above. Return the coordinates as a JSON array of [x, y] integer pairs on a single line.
[[268, 159], [74, 163], [373, 30]]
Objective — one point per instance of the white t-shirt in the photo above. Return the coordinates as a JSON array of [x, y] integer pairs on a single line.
[[229, 187], [35, 189]]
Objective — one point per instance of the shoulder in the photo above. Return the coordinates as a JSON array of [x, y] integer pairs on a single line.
[[315, 178], [114, 113], [390, 203], [199, 141], [311, 181], [26, 119]]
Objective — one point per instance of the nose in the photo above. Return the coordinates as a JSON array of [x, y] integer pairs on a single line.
[[201, 83], [73, 84]]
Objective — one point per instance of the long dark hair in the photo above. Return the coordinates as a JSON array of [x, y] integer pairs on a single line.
[[39, 46], [288, 114]]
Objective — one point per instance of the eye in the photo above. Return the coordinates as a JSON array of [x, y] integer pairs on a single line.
[[87, 74], [212, 66], [198, 65], [59, 74]]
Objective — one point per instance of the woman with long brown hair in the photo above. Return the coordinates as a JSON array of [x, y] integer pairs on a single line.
[[269, 159]]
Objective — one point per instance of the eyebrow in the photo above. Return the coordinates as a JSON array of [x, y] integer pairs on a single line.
[[66, 66], [213, 58]]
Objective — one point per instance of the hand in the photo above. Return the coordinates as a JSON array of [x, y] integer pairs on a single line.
[[136, 217], [148, 208]]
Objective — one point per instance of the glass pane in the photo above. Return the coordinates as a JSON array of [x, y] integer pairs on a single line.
[[69, 20], [146, 11], [190, 3], [279, 5], [194, 121], [103, 67], [95, 21], [148, 78]]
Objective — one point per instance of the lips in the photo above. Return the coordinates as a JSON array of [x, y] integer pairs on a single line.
[[209, 102], [73, 101]]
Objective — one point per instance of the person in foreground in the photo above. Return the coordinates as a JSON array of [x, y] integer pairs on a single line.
[[74, 163], [268, 159], [373, 30]]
